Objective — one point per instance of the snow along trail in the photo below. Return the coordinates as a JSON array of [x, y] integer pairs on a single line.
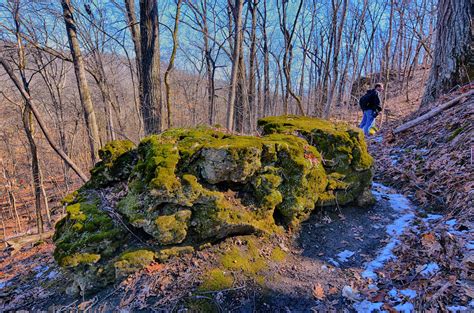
[[406, 210]]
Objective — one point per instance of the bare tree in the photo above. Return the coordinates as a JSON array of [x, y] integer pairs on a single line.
[[288, 35], [82, 84], [171, 62], [236, 7]]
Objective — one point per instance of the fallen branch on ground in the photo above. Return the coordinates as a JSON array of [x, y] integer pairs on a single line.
[[431, 113]]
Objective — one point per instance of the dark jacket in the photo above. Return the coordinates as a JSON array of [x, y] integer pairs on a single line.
[[370, 101]]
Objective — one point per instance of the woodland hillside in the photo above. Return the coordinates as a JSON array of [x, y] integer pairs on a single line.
[[206, 156]]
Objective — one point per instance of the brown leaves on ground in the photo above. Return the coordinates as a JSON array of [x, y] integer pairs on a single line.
[[432, 162], [318, 292]]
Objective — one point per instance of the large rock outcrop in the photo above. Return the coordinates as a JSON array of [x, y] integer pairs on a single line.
[[186, 187]]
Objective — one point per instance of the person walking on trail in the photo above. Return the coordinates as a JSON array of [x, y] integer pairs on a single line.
[[370, 105]]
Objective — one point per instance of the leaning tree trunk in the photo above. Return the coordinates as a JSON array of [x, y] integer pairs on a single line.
[[453, 60], [83, 86]]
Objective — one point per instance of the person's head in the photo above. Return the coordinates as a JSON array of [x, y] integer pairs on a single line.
[[378, 87]]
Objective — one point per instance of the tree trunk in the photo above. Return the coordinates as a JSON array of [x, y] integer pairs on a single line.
[[83, 86], [337, 47], [150, 67], [35, 171], [252, 6], [135, 34], [266, 65], [171, 63], [453, 60], [236, 8]]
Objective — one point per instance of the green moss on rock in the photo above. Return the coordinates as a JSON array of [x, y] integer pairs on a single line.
[[343, 149], [79, 258], [186, 187], [278, 255], [131, 261], [69, 198], [172, 229], [165, 254], [86, 230], [117, 161]]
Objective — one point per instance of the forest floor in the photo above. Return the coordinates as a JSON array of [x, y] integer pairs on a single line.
[[413, 250], [329, 264]]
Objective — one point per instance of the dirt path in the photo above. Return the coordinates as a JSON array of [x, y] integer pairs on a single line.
[[338, 248]]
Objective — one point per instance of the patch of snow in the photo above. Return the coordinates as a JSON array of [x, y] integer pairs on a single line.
[[471, 303], [384, 255], [399, 225], [451, 222], [53, 274], [430, 269], [40, 270], [349, 293], [369, 274], [456, 308], [406, 307], [367, 307], [333, 262], [432, 217], [344, 255], [373, 287], [408, 293], [402, 206], [470, 245], [3, 284], [393, 293], [378, 139]]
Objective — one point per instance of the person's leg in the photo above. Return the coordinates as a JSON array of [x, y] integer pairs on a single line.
[[364, 118], [369, 119]]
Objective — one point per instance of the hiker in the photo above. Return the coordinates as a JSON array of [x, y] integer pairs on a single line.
[[370, 105]]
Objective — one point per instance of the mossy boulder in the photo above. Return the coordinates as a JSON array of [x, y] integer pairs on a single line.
[[343, 149], [187, 187], [117, 159]]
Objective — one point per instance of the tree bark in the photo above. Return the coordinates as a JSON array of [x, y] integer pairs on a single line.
[[171, 63], [135, 34], [236, 8], [150, 67], [35, 171], [453, 60], [252, 7], [266, 65], [83, 86]]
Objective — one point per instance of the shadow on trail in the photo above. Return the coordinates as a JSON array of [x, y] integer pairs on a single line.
[[348, 236]]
